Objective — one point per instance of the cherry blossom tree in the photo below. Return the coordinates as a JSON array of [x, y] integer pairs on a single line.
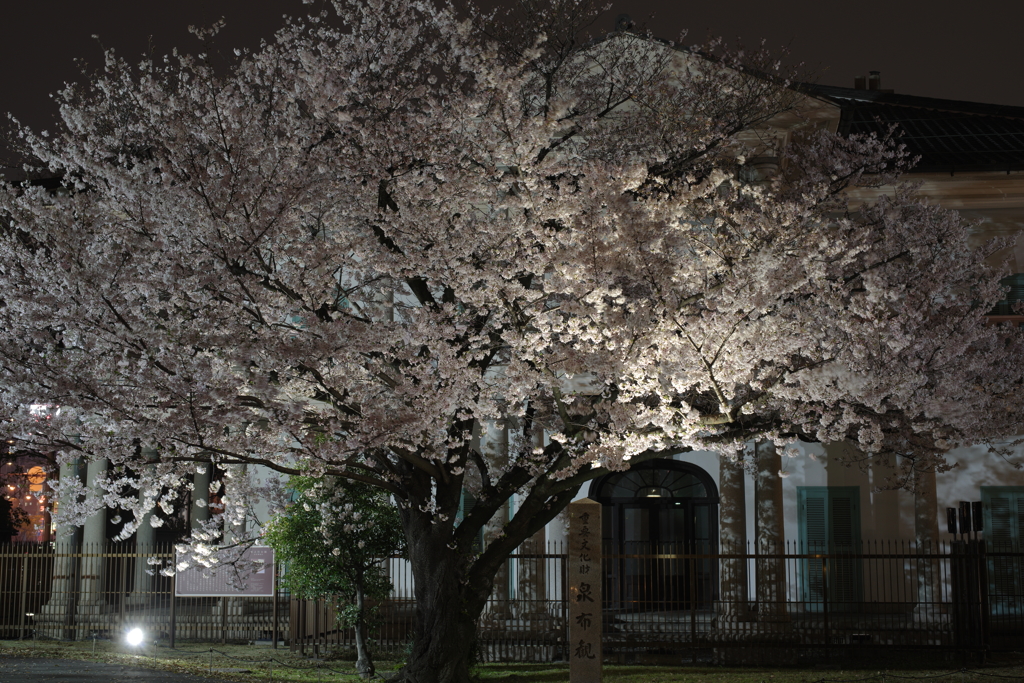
[[390, 232]]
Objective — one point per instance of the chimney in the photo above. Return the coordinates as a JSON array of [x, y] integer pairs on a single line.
[[874, 80], [859, 83]]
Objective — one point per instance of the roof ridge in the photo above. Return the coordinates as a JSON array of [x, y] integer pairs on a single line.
[[915, 101]]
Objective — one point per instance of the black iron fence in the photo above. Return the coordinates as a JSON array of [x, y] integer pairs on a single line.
[[523, 620], [50, 591], [733, 604], [680, 600]]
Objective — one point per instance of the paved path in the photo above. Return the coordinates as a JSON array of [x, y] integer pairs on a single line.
[[33, 670]]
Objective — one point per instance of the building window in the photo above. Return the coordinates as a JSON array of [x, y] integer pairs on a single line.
[[1004, 541], [829, 518]]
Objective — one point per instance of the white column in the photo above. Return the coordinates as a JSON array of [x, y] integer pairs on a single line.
[[494, 447], [201, 495], [926, 532], [531, 577], [58, 613], [93, 601], [231, 609], [234, 526], [142, 581], [732, 513], [771, 569]]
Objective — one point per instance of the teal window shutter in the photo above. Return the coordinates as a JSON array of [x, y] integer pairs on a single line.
[[813, 506], [1015, 283], [1004, 533], [467, 501], [844, 544], [829, 526]]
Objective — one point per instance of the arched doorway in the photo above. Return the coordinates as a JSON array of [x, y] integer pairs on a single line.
[[660, 528]]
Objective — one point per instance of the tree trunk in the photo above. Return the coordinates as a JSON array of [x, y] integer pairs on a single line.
[[364, 661], [448, 604]]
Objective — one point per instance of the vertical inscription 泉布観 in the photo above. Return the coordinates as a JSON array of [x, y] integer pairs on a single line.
[[584, 591]]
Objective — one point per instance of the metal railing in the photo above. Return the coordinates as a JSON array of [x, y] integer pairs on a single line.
[[50, 591], [726, 603], [703, 602]]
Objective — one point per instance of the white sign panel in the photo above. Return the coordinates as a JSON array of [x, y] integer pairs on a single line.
[[252, 576]]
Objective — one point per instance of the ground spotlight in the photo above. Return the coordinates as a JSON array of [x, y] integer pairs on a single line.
[[135, 637]]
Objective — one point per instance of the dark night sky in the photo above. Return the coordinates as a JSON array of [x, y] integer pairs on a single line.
[[936, 48]]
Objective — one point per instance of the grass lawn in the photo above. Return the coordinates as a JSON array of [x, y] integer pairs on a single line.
[[259, 664]]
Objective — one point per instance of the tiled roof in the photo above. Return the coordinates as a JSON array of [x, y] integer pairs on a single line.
[[949, 135]]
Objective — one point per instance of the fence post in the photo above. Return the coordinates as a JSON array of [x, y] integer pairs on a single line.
[[224, 620], [824, 602], [983, 588], [968, 598], [564, 571], [693, 606], [122, 597], [316, 627], [24, 592], [304, 613], [174, 589], [273, 635], [977, 596], [957, 579]]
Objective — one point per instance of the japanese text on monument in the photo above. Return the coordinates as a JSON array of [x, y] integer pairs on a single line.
[[584, 591]]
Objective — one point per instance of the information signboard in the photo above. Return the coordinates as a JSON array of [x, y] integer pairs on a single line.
[[252, 576]]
